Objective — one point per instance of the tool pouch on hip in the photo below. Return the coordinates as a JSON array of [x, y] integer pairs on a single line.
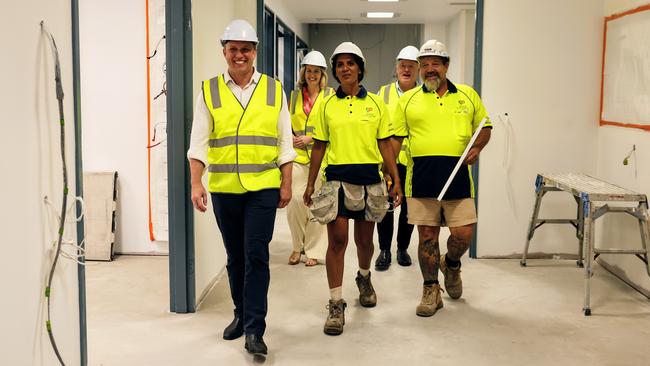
[[325, 202], [353, 196], [376, 201]]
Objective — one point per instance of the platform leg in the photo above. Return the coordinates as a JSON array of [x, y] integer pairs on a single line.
[[645, 232], [580, 232], [588, 252], [531, 228]]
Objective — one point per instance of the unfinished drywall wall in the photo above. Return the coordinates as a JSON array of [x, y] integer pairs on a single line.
[[32, 166], [552, 102]]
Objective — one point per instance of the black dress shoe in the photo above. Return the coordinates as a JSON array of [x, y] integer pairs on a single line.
[[255, 344], [234, 330], [403, 258], [383, 260]]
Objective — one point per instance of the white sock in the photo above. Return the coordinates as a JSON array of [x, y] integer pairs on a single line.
[[336, 293], [364, 272]]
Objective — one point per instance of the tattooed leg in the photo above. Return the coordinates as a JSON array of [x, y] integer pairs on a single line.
[[459, 241], [429, 258]]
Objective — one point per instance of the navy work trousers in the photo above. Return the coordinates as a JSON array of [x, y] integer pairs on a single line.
[[246, 223], [404, 229]]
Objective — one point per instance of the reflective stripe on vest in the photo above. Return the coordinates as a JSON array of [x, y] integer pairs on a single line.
[[387, 93], [243, 146], [309, 131], [244, 140], [294, 99], [241, 168]]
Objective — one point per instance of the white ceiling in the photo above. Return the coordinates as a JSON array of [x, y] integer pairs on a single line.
[[350, 11]]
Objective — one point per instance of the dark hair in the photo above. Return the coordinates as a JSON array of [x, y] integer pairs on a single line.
[[358, 60]]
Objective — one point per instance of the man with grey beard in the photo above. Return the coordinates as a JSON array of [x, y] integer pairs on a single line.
[[439, 118]]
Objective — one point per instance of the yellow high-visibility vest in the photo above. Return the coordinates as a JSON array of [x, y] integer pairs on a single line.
[[301, 124], [243, 145], [391, 98]]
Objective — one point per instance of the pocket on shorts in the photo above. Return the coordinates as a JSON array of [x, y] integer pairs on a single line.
[[376, 201], [325, 203]]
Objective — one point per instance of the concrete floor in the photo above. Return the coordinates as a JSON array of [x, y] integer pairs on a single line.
[[508, 316]]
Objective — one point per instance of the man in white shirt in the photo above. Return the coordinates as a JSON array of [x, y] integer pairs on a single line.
[[242, 134]]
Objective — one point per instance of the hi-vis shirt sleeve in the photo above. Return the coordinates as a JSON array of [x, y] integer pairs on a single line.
[[317, 117], [385, 128], [399, 119], [480, 112]]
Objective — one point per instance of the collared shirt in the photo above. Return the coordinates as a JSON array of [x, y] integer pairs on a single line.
[[352, 124], [203, 120], [438, 128]]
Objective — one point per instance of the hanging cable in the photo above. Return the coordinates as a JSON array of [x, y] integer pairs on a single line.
[[507, 159], [64, 199], [152, 237], [156, 48]]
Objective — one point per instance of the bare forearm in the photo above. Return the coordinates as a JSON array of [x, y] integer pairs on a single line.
[[196, 171], [317, 154], [396, 143], [483, 138], [386, 148], [285, 171]]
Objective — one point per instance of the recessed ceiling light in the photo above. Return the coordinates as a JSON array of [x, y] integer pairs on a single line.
[[333, 20], [380, 14], [382, 1]]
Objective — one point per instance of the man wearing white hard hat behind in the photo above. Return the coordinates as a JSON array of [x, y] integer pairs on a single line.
[[439, 119], [307, 236], [406, 70], [242, 134]]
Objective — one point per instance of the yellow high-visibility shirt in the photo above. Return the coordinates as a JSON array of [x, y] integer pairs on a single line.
[[352, 125], [439, 129]]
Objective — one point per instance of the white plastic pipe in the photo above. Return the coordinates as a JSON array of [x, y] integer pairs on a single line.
[[462, 158]]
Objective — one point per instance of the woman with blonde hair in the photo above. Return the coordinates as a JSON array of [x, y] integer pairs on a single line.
[[307, 236]]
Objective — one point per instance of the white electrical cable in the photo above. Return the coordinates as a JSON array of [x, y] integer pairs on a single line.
[[507, 159], [461, 159]]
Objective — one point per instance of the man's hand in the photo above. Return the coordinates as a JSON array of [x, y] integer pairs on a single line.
[[285, 195], [199, 197], [472, 155], [396, 194], [306, 197]]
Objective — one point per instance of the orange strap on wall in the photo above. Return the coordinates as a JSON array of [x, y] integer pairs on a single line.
[[151, 236]]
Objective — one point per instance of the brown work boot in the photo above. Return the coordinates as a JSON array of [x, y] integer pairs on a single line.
[[453, 282], [431, 301], [336, 317], [367, 296]]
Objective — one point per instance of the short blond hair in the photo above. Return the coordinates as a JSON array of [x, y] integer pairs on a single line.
[[302, 83]]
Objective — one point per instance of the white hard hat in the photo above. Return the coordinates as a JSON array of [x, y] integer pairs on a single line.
[[433, 48], [347, 47], [239, 30], [314, 58], [408, 53]]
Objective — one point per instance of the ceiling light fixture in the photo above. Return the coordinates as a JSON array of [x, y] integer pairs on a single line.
[[380, 14], [382, 1]]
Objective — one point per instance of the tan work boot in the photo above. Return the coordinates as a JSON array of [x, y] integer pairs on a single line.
[[367, 296], [336, 317], [453, 282], [431, 301]]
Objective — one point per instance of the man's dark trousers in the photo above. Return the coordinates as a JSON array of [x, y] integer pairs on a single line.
[[404, 229], [246, 223]]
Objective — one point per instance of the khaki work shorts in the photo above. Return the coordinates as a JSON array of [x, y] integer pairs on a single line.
[[430, 212]]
